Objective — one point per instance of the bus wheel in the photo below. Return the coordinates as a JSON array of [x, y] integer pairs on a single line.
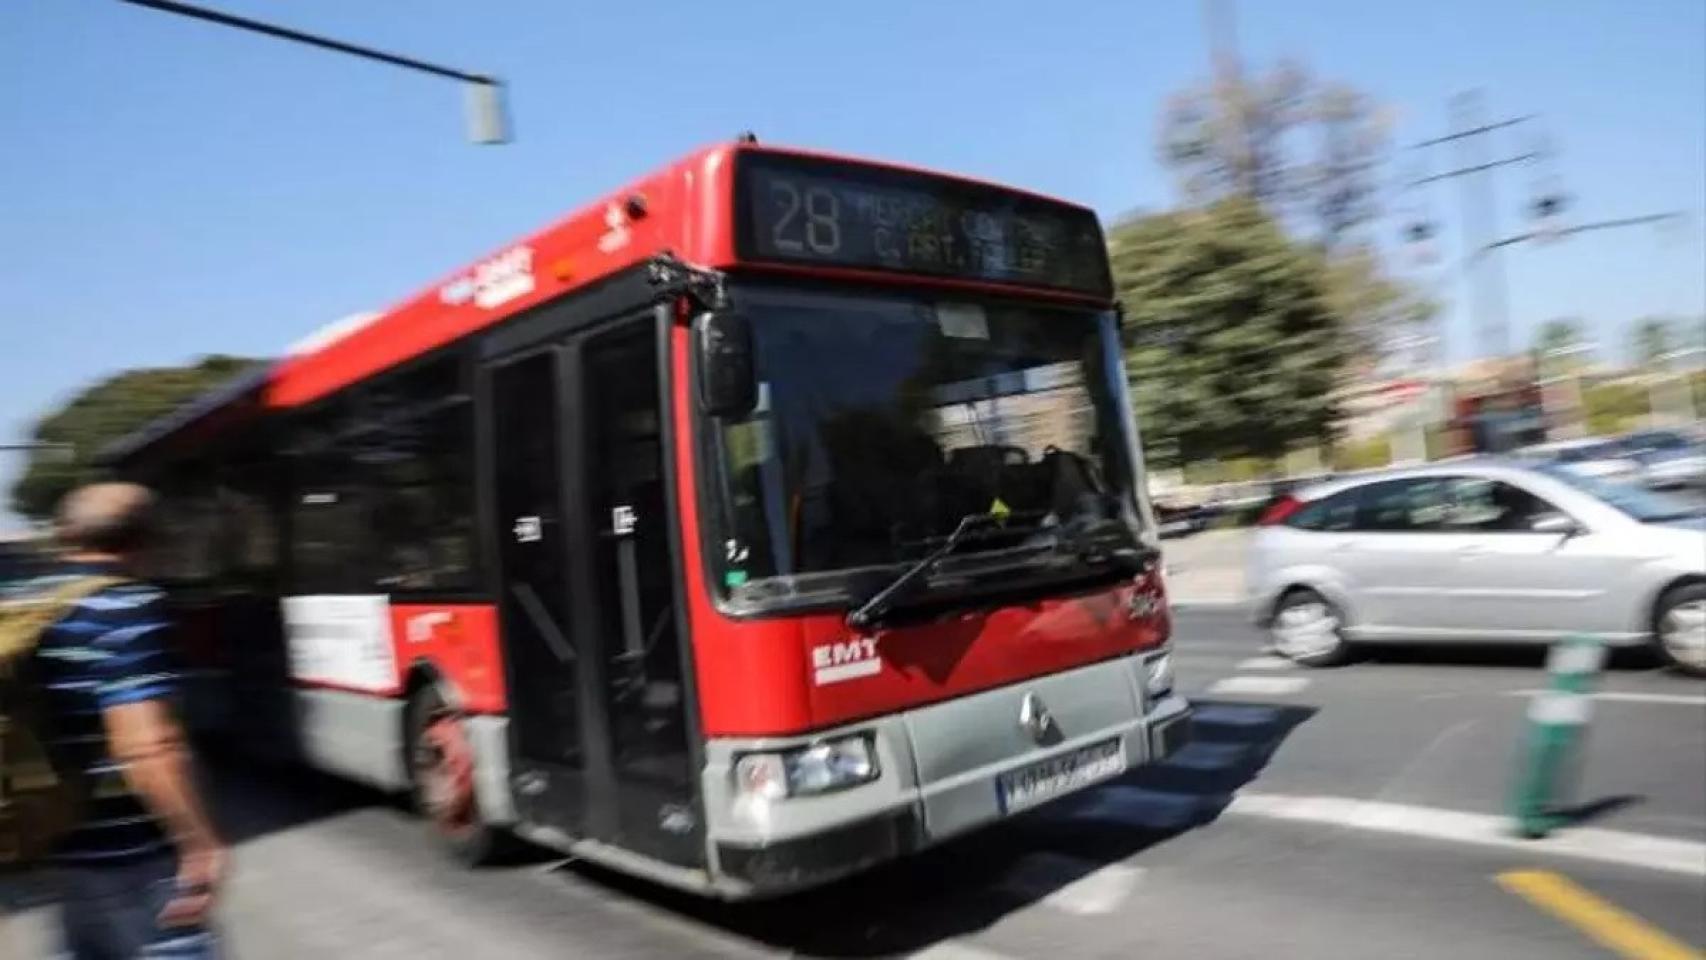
[[441, 777]]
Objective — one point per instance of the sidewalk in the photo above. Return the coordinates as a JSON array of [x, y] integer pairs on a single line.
[[1206, 569]]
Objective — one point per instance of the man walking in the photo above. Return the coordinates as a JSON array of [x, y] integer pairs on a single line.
[[137, 875]]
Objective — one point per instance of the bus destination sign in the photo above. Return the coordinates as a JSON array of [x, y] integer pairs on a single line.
[[805, 210]]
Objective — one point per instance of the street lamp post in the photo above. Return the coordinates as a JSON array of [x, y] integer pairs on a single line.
[[488, 117]]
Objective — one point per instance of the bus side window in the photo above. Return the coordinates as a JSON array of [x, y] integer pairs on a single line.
[[406, 442], [422, 498], [325, 506]]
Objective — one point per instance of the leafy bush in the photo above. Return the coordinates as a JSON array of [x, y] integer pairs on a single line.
[[1364, 454], [1614, 407]]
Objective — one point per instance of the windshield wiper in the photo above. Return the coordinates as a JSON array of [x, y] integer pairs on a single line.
[[1087, 542], [880, 602]]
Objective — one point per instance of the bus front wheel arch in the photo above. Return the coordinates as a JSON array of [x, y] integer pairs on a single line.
[[440, 760]]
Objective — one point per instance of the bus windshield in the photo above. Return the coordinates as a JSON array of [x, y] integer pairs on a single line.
[[883, 422]]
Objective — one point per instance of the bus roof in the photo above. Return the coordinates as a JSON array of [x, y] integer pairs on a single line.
[[202, 414], [683, 210]]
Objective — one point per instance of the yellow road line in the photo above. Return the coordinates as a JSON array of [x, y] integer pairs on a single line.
[[1618, 931]]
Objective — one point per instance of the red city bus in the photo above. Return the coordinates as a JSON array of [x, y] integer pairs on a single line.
[[772, 517]]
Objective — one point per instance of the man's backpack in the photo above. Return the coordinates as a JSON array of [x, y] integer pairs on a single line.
[[38, 804]]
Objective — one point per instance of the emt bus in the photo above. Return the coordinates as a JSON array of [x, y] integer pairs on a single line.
[[772, 517]]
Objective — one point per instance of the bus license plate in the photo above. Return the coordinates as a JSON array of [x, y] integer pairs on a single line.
[[1055, 776]]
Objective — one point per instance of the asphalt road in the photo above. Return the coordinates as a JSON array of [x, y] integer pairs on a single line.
[[1346, 813]]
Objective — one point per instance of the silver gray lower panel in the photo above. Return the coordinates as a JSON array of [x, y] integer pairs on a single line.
[[490, 738], [353, 735], [942, 763]]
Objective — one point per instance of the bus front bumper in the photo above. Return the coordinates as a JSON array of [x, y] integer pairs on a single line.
[[944, 769]]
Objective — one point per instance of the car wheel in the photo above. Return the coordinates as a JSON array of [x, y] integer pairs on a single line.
[[441, 781], [1679, 628], [1309, 630]]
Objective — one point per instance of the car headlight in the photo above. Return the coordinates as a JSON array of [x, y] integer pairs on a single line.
[[1158, 676], [821, 767]]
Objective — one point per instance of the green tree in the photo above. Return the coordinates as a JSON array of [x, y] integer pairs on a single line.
[[1650, 340], [1311, 153], [1558, 336], [1380, 313], [1234, 348], [1559, 344], [101, 414]]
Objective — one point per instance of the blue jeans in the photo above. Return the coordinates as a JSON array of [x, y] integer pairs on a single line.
[[111, 912]]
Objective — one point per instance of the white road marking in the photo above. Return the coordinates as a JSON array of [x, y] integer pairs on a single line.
[[1612, 696], [1258, 686], [1480, 829], [1207, 603], [1082, 888], [1265, 663], [953, 950]]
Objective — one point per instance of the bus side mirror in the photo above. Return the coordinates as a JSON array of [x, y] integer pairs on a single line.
[[726, 386]]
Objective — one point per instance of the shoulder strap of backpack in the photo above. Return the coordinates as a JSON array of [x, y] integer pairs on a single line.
[[23, 620]]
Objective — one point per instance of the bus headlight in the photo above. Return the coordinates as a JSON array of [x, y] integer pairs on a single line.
[[822, 767], [1158, 676]]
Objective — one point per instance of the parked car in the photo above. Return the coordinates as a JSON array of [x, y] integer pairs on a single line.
[[1669, 459], [1480, 549], [1179, 520], [1604, 459]]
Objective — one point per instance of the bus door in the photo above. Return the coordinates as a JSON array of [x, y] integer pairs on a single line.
[[598, 704]]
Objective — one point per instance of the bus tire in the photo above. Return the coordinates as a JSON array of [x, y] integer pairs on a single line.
[[441, 781], [1676, 625], [1308, 629]]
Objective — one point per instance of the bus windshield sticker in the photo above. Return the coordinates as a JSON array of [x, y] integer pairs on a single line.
[[963, 321]]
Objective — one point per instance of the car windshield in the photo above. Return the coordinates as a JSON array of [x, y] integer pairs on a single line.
[[882, 422], [1642, 504]]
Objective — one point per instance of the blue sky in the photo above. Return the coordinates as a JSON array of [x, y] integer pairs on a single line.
[[170, 188]]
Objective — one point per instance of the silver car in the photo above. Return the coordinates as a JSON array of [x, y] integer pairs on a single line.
[[1480, 550]]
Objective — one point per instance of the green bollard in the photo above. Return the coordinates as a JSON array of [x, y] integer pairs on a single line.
[[1557, 721]]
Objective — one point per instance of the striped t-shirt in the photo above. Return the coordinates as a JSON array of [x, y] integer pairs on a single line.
[[107, 651]]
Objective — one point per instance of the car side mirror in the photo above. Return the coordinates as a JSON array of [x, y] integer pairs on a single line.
[[726, 386], [1558, 523]]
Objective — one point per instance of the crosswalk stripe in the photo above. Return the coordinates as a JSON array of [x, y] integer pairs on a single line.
[[1265, 663], [1258, 686]]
